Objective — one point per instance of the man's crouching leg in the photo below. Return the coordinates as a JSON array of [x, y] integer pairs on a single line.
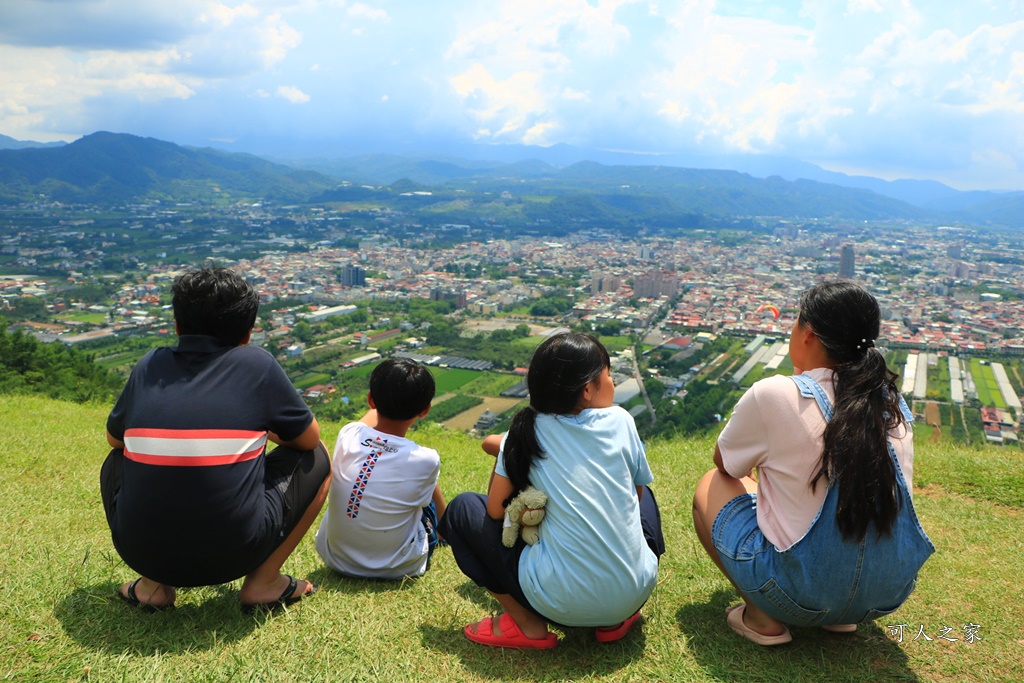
[[303, 478]]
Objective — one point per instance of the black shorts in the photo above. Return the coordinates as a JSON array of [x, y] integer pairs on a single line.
[[292, 480]]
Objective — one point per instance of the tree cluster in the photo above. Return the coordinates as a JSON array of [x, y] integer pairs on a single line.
[[27, 366], [696, 412], [498, 347]]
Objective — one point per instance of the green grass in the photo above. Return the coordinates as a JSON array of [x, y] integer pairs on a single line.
[[530, 342], [985, 382], [362, 371], [938, 381], [993, 387], [615, 344], [490, 384], [90, 318], [449, 408], [123, 362], [61, 621], [309, 379], [451, 379]]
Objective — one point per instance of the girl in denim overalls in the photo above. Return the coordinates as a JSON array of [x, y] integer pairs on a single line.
[[827, 536]]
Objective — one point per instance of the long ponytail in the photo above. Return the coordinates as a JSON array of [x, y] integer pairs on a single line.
[[846, 320], [521, 447]]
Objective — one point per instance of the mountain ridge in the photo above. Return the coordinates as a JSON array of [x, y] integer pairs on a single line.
[[106, 168]]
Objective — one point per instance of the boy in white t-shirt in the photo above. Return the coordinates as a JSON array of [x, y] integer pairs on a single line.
[[384, 500]]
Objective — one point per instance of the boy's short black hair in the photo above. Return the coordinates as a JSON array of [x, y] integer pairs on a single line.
[[215, 302], [401, 388]]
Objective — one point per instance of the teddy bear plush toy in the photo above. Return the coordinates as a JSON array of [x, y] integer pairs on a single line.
[[523, 517]]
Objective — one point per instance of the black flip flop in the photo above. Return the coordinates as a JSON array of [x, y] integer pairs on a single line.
[[133, 600], [283, 601]]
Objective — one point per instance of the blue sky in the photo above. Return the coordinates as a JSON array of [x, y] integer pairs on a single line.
[[890, 88]]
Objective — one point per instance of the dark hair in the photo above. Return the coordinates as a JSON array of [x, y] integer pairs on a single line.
[[215, 302], [845, 319], [401, 388], [561, 367]]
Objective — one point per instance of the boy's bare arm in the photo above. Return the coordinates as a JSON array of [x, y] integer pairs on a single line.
[[439, 502]]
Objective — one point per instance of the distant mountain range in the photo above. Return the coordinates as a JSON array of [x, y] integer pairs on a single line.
[[112, 168], [7, 142], [387, 167]]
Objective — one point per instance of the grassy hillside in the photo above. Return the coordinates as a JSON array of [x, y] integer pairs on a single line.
[[60, 619]]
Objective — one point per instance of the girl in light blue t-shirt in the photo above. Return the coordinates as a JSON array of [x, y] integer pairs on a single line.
[[596, 561]]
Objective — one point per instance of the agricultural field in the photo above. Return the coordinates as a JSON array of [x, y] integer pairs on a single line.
[[122, 362], [83, 317], [938, 382], [530, 342], [361, 371], [615, 344], [453, 405], [761, 371], [985, 383], [310, 379], [951, 422], [465, 420], [452, 379], [490, 384]]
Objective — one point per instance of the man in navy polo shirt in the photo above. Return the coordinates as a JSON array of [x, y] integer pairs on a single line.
[[191, 495]]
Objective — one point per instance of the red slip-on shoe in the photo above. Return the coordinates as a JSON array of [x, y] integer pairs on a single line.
[[609, 634], [511, 636]]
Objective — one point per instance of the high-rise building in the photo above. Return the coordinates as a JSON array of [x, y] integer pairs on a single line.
[[353, 276], [604, 282], [655, 284], [846, 261]]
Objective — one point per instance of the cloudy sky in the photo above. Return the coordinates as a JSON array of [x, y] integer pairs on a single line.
[[930, 89]]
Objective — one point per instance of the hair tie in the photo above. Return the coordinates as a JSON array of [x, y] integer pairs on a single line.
[[866, 344]]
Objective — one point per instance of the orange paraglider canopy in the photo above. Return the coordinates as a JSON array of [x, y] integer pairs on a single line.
[[769, 307]]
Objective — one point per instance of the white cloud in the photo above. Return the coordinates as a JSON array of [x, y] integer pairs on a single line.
[[727, 78], [277, 39], [363, 11], [509, 104], [572, 94], [539, 134], [515, 68], [860, 6], [225, 15], [859, 82], [292, 94]]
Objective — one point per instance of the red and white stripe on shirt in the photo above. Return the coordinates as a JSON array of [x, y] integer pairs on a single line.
[[193, 447]]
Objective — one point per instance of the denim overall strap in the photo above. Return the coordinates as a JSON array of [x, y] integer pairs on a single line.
[[907, 415], [811, 389]]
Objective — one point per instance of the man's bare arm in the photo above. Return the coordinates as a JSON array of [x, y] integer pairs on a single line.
[[114, 443], [306, 441]]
